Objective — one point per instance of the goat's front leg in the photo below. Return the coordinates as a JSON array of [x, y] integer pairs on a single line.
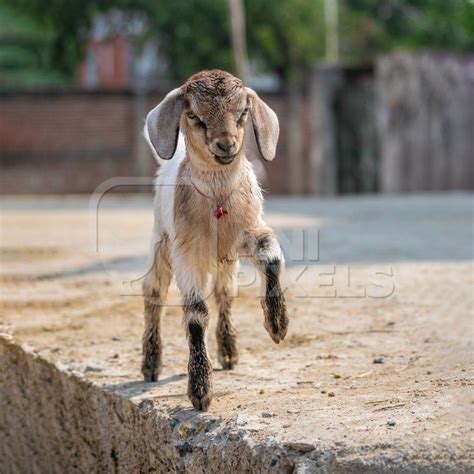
[[226, 334], [155, 289], [196, 321], [265, 253]]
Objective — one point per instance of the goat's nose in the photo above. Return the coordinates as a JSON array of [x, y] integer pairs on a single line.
[[225, 146]]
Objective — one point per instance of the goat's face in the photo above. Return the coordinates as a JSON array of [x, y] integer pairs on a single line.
[[216, 108], [212, 108]]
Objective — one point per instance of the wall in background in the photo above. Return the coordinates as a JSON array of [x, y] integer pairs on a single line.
[[71, 141], [425, 121], [404, 125]]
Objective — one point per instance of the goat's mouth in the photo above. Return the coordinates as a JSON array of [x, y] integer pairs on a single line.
[[224, 160]]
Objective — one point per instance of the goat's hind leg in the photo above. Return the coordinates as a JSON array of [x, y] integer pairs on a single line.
[[226, 334], [155, 290]]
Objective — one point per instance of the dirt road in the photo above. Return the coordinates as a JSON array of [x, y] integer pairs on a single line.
[[377, 367]]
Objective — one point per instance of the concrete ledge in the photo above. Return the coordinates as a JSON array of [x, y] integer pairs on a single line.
[[53, 420]]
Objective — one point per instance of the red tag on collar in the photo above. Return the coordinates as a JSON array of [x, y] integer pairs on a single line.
[[219, 212]]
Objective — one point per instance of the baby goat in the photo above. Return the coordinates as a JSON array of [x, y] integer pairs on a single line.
[[208, 213]]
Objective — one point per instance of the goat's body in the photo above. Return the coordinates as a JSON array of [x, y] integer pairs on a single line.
[[186, 217], [191, 243]]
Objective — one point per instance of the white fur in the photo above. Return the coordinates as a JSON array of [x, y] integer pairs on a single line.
[[165, 186], [194, 246]]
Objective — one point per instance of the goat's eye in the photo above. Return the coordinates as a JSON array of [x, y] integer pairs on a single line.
[[243, 115], [196, 120]]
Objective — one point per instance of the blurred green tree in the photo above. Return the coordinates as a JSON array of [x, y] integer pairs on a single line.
[[193, 34], [284, 36], [24, 50], [65, 21], [287, 36], [370, 27]]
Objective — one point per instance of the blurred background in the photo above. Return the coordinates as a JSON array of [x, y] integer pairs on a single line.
[[370, 197], [372, 95]]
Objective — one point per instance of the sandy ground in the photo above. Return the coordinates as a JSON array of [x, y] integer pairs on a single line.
[[378, 359]]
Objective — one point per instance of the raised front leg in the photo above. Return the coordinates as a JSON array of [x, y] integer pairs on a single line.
[[192, 282], [226, 334], [265, 253], [155, 290]]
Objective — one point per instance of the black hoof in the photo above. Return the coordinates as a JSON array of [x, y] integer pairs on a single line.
[[201, 403], [151, 375]]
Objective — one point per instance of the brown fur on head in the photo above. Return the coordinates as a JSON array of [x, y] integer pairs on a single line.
[[211, 108], [215, 113]]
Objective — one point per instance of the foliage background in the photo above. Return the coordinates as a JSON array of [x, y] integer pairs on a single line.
[[41, 41]]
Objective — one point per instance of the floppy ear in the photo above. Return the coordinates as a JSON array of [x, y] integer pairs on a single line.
[[265, 125], [162, 124]]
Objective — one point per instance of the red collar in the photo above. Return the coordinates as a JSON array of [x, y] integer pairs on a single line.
[[219, 211]]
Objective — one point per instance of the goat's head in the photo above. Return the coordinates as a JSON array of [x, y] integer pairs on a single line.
[[212, 108]]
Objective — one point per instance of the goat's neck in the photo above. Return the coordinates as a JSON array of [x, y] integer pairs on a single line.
[[216, 181]]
